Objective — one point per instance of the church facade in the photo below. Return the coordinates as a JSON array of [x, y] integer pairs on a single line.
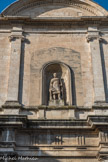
[[54, 81]]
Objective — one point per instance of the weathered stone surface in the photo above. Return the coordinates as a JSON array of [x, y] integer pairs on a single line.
[[66, 121]]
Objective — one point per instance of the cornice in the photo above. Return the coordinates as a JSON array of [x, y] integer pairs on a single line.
[[92, 122], [56, 21]]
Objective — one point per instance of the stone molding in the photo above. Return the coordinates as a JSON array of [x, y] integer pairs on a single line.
[[89, 123], [78, 128], [56, 21], [12, 105]]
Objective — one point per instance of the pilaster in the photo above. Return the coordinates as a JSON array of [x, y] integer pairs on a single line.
[[94, 39], [15, 39]]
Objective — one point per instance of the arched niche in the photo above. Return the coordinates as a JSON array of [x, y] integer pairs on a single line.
[[64, 73]]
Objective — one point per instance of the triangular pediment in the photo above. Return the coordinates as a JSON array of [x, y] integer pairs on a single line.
[[55, 8]]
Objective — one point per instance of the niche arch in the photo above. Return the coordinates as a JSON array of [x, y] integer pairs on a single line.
[[65, 73]]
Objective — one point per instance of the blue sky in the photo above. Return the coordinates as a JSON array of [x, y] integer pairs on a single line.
[[5, 3]]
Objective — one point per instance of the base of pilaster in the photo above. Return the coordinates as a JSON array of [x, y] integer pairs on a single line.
[[12, 104], [11, 107]]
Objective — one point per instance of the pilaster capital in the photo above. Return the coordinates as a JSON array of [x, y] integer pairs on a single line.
[[91, 38], [14, 37], [94, 37]]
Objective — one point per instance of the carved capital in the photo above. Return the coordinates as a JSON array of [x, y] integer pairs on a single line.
[[14, 37], [94, 37]]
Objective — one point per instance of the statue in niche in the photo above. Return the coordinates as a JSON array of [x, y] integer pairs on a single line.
[[56, 88]]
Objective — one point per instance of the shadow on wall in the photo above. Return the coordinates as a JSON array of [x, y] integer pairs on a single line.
[[39, 138], [22, 70], [74, 100], [49, 145], [104, 71]]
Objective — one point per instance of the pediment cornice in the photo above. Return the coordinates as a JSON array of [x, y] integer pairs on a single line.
[[86, 5]]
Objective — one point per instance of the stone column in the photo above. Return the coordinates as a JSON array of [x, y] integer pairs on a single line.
[[94, 39], [14, 69]]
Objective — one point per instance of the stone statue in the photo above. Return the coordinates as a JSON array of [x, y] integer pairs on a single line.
[[56, 88]]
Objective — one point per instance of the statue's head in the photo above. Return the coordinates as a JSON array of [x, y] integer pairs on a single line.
[[55, 75]]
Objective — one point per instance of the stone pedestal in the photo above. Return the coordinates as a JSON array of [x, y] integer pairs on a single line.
[[56, 103]]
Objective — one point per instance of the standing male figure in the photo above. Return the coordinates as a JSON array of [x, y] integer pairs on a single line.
[[55, 88]]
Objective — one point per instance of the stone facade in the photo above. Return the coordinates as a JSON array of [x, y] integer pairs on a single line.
[[38, 39]]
